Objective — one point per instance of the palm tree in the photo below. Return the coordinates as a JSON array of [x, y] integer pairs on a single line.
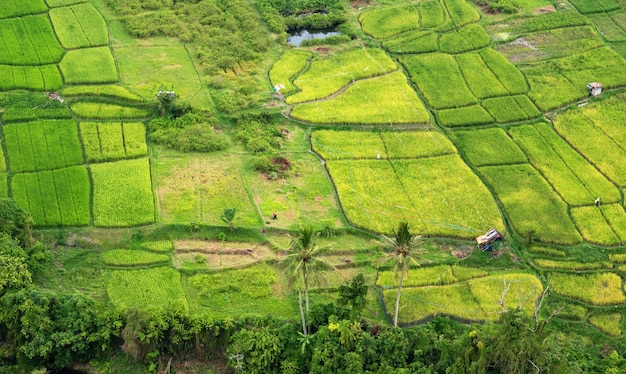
[[304, 262], [404, 247]]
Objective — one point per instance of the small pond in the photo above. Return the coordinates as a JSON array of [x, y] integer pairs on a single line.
[[297, 37]]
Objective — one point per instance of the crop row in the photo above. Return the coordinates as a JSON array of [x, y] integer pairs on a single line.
[[488, 147], [562, 81], [597, 288], [461, 12], [437, 195], [382, 100], [383, 23], [328, 75], [128, 257], [430, 276], [106, 141], [79, 26], [79, 66], [534, 209], [42, 145], [595, 144], [578, 182], [607, 323], [571, 265], [418, 41], [467, 38], [16, 8], [611, 26], [113, 91], [158, 287], [606, 225], [476, 300], [595, 6], [354, 145], [107, 111], [38, 78], [555, 43], [58, 3], [470, 76], [122, 193], [523, 25], [54, 198], [284, 70], [28, 40], [13, 114]]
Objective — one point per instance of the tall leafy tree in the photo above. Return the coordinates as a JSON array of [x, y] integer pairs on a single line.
[[304, 262], [404, 248]]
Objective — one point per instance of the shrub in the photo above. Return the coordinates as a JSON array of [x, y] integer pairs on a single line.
[[193, 131]]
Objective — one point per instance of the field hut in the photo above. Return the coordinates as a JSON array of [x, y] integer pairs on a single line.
[[595, 88]]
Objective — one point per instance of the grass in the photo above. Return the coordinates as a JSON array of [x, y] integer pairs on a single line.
[[595, 289], [54, 198], [122, 193], [89, 65], [108, 111], [79, 26], [593, 226], [42, 145], [546, 218], [386, 22], [38, 78], [327, 76], [506, 109], [432, 14], [608, 27], [616, 218], [304, 198], [197, 188], [383, 100], [148, 68], [461, 12], [12, 114], [107, 141], [291, 63], [416, 144], [607, 323], [570, 265], [593, 143], [29, 40], [595, 6], [15, 8], [133, 258], [465, 39], [481, 80], [159, 246], [488, 147], [465, 116], [432, 71], [547, 251], [112, 91], [158, 287], [418, 41]]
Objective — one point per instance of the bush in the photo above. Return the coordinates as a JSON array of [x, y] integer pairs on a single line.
[[193, 131]]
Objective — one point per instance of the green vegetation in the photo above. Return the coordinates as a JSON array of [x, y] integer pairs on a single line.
[[465, 39], [478, 147], [42, 145], [15, 8], [122, 193], [595, 6], [108, 141], [291, 63], [54, 198], [79, 26], [510, 108], [546, 219], [596, 289], [430, 72], [161, 246], [570, 265], [29, 40], [593, 226], [413, 42], [465, 116], [24, 115], [78, 66], [607, 323], [107, 111], [132, 258], [112, 91], [158, 287], [39, 78], [386, 22], [327, 76], [378, 101]]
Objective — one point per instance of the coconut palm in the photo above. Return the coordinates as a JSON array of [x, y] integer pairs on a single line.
[[304, 262], [404, 247]]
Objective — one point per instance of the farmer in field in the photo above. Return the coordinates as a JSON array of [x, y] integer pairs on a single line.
[[597, 201]]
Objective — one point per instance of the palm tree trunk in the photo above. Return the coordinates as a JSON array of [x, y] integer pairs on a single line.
[[395, 317], [302, 313], [306, 290]]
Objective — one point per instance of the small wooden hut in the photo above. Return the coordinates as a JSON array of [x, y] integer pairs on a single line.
[[595, 88]]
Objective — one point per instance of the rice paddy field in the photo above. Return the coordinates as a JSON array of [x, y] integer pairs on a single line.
[[447, 118]]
